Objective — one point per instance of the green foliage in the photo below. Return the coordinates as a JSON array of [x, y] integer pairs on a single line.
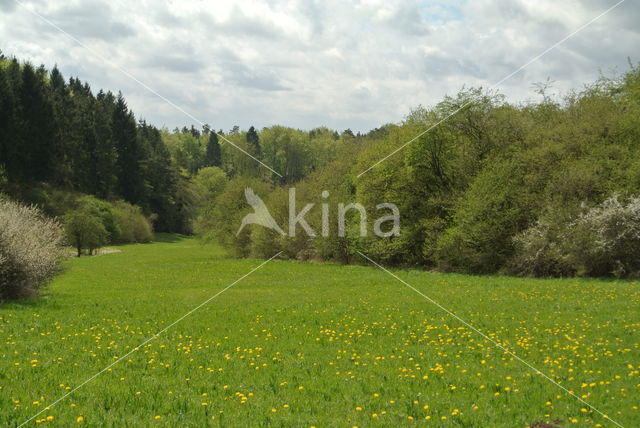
[[208, 183], [132, 225], [229, 208]]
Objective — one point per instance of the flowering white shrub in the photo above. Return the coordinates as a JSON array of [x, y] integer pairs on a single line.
[[541, 250], [607, 238], [30, 249], [600, 241]]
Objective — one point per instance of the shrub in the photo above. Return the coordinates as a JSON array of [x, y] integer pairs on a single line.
[[132, 225], [541, 250], [600, 241], [605, 240], [30, 249]]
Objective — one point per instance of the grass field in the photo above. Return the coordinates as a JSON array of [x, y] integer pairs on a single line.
[[298, 344]]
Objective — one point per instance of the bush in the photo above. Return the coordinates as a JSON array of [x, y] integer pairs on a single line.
[[30, 249], [606, 239], [600, 241], [541, 250], [132, 225]]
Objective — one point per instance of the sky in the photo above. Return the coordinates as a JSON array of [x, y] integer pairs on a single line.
[[307, 63]]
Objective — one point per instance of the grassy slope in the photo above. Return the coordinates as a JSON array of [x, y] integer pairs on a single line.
[[324, 340]]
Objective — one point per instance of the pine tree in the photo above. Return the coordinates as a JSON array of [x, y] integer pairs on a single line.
[[16, 161], [161, 180], [130, 156], [213, 155], [38, 126], [6, 113], [254, 142], [105, 155]]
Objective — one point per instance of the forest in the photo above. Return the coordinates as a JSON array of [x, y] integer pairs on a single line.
[[547, 188]]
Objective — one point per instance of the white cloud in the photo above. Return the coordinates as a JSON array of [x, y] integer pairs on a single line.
[[308, 63]]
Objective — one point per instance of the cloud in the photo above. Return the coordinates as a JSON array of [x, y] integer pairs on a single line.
[[306, 63], [92, 19], [7, 5]]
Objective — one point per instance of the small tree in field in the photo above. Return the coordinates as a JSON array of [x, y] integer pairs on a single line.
[[85, 231]]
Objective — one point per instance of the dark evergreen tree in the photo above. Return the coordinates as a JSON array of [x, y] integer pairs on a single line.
[[105, 156], [130, 155], [6, 114], [16, 163], [213, 154], [254, 142], [37, 125], [59, 101], [161, 180]]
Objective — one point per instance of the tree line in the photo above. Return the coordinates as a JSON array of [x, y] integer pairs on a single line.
[[546, 188], [59, 134]]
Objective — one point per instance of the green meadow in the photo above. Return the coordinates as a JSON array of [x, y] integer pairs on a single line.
[[300, 344]]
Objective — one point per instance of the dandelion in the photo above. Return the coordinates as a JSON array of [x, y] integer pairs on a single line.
[[80, 419], [374, 416], [358, 409]]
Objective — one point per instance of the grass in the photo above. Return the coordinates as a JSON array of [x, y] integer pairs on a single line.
[[300, 344]]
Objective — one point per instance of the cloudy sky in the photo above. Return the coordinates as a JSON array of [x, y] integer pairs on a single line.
[[356, 64]]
